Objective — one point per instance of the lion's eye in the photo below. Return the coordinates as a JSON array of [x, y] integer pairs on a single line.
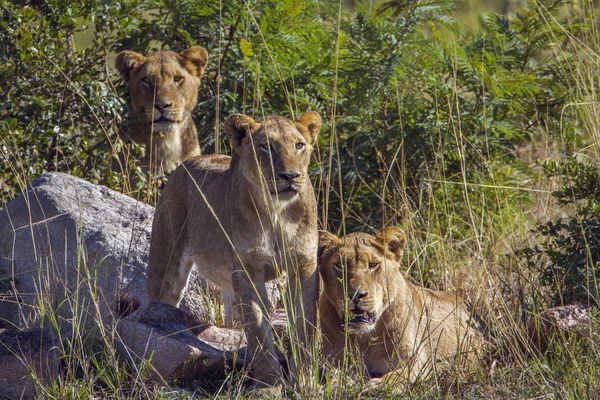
[[337, 266], [146, 81], [299, 146], [178, 79], [373, 266], [266, 147]]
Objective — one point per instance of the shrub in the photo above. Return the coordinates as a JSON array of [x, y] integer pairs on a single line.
[[569, 255], [59, 109]]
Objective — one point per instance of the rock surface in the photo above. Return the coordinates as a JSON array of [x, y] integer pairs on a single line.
[[79, 249], [176, 344], [564, 320], [24, 355]]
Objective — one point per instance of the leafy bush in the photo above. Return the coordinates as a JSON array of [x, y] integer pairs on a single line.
[[425, 113], [58, 105], [411, 107], [569, 256]]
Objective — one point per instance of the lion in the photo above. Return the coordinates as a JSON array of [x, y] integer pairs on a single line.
[[398, 329], [242, 220], [164, 91]]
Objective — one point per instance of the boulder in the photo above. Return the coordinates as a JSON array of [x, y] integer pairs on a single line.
[[564, 320], [79, 250], [25, 356], [176, 344]]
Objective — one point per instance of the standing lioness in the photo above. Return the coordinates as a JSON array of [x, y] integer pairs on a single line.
[[242, 220], [396, 328]]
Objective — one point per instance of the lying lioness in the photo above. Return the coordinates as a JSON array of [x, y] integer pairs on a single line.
[[241, 221], [398, 329]]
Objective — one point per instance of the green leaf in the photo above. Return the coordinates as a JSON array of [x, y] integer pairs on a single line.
[[246, 48]]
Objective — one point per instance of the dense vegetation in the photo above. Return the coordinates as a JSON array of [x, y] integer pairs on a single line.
[[480, 141]]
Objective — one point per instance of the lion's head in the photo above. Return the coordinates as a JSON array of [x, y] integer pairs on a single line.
[[163, 85], [360, 274], [274, 151]]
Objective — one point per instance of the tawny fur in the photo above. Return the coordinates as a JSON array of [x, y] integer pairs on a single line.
[[242, 222], [164, 91], [413, 326]]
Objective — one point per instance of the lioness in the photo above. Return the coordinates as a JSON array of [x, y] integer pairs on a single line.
[[242, 220], [164, 91], [398, 329]]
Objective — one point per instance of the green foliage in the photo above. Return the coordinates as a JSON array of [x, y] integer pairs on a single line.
[[570, 253], [57, 103], [412, 108], [420, 111]]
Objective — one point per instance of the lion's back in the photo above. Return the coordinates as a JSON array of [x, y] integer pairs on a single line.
[[203, 169]]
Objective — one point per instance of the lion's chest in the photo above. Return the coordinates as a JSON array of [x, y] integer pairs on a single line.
[[269, 247], [168, 149], [380, 360], [387, 348]]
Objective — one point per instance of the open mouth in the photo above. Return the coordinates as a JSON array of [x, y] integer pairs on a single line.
[[362, 317]]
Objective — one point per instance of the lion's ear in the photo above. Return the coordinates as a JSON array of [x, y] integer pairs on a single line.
[[195, 60], [238, 126], [127, 61], [394, 239], [312, 121], [326, 239]]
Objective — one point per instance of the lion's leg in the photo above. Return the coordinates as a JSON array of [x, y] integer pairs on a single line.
[[396, 381], [303, 287], [229, 310], [168, 268], [253, 309], [413, 361], [411, 365]]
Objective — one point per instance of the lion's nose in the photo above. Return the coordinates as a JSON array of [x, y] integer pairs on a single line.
[[289, 176], [162, 106], [358, 295]]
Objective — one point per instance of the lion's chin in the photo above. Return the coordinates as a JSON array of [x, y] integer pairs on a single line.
[[164, 126], [284, 194]]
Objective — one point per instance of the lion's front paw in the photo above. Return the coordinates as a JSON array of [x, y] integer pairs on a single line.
[[374, 383]]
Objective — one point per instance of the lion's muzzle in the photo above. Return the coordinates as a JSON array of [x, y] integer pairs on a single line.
[[358, 315], [289, 182], [163, 113]]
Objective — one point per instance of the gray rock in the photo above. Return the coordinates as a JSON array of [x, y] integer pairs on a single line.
[[564, 321], [24, 356], [78, 249], [176, 344]]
